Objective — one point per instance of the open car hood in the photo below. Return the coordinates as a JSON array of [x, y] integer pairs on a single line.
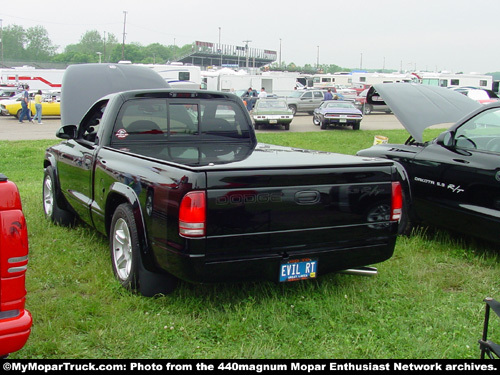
[[419, 106], [84, 84]]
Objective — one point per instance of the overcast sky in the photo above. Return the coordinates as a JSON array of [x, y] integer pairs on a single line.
[[453, 35]]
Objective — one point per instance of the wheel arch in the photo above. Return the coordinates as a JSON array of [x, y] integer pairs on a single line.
[[50, 161], [120, 193]]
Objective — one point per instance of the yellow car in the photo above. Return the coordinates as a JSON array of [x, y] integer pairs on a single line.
[[13, 107]]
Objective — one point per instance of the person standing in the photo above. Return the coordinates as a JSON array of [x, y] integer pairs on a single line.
[[328, 95], [249, 98], [38, 107], [25, 108]]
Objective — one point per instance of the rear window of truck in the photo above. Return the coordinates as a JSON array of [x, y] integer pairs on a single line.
[[157, 119]]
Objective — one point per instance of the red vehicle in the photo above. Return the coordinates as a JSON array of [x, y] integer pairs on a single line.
[[15, 321]]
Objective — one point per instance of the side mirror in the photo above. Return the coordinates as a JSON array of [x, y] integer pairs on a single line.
[[446, 139], [67, 132]]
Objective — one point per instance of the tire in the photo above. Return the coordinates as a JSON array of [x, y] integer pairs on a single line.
[[293, 108], [324, 125], [367, 109], [51, 201], [124, 247], [287, 126], [18, 114], [125, 251], [355, 126], [316, 121], [256, 126]]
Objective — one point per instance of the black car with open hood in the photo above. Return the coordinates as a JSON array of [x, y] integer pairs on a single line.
[[454, 179]]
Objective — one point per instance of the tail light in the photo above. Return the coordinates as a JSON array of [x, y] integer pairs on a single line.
[[192, 214], [397, 201]]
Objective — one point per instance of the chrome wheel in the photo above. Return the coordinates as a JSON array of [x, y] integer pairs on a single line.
[[122, 249], [48, 196]]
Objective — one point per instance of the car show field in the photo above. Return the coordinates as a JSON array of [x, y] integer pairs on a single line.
[[452, 271], [11, 130]]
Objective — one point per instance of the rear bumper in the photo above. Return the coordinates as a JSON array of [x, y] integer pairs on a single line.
[[337, 121], [266, 267], [14, 331]]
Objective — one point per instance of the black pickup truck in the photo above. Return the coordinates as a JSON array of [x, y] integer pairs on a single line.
[[179, 183]]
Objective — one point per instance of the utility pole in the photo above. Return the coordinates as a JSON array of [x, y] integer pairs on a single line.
[[104, 46], [280, 53], [1, 38], [124, 23]]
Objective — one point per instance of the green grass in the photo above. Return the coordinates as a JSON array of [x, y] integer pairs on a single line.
[[426, 301]]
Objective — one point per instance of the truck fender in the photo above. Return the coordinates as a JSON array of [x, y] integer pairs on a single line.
[[151, 281], [50, 161], [131, 197]]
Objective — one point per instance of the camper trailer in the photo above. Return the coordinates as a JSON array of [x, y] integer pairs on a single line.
[[453, 80], [229, 81], [36, 79], [178, 76]]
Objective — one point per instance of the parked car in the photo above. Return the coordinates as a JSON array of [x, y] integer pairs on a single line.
[[454, 179], [367, 108], [15, 320], [304, 100], [272, 112], [483, 96], [337, 112], [50, 107], [8, 92]]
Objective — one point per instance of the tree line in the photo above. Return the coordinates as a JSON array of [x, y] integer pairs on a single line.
[[34, 45]]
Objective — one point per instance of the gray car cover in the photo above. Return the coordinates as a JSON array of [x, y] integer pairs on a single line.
[[84, 84]]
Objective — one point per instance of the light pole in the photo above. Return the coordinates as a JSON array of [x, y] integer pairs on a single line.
[[317, 60], [220, 48], [99, 53], [246, 50]]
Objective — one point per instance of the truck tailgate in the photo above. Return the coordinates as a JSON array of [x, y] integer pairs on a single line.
[[296, 211]]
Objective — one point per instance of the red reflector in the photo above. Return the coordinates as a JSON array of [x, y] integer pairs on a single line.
[[397, 201], [192, 214]]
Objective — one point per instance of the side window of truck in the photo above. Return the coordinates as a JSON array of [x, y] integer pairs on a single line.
[[89, 125]]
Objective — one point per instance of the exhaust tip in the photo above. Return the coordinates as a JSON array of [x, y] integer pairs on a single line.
[[361, 271]]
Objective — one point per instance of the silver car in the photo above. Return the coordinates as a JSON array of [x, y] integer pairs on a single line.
[[304, 100]]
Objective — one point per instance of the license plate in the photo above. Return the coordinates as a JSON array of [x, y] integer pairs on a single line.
[[298, 269], [273, 121], [343, 120]]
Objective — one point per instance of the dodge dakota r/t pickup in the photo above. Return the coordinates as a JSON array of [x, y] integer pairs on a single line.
[[179, 183]]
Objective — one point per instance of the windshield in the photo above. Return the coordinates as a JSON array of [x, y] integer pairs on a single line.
[[481, 132], [295, 94], [339, 105], [274, 104]]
